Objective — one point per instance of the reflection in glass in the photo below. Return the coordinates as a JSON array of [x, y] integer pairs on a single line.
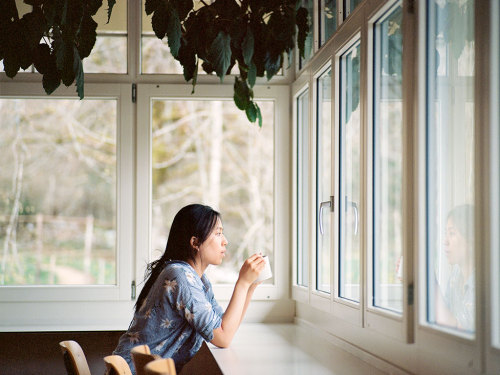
[[350, 163], [309, 43], [206, 151], [303, 188], [328, 22], [351, 5], [387, 168], [323, 181], [450, 166], [58, 191]]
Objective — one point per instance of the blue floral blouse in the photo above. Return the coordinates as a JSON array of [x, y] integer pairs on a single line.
[[179, 312]]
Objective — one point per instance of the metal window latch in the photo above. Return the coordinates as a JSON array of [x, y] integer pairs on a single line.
[[320, 213]]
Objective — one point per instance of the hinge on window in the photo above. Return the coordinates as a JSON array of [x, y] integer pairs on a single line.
[[410, 294], [134, 92], [132, 294]]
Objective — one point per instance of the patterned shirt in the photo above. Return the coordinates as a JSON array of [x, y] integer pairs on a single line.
[[179, 312], [460, 298]]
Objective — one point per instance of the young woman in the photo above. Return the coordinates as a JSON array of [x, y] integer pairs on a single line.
[[176, 310]]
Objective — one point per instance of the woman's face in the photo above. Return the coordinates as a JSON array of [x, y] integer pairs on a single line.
[[214, 248], [455, 245]]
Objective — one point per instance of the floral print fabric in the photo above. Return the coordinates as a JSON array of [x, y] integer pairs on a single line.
[[177, 315]]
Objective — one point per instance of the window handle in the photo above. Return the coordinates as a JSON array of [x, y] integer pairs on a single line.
[[320, 213], [354, 205]]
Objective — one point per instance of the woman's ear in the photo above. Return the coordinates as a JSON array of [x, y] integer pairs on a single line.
[[194, 242]]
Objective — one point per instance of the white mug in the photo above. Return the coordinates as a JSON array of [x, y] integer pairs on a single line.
[[266, 273]]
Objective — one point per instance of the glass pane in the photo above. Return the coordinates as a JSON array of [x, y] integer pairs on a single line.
[[303, 189], [206, 151], [351, 5], [350, 162], [109, 54], [388, 158], [450, 166], [328, 22], [309, 43], [324, 181], [58, 191]]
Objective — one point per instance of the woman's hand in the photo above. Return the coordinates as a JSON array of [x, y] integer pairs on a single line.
[[251, 269]]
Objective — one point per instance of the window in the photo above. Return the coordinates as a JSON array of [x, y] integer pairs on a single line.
[[58, 191], [206, 151], [450, 167], [109, 54], [302, 264], [324, 202], [350, 5], [309, 43], [388, 163], [350, 176], [328, 21]]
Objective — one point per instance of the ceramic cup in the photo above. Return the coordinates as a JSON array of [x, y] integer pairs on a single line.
[[266, 273]]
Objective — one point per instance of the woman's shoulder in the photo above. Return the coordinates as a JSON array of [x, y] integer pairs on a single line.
[[180, 271]]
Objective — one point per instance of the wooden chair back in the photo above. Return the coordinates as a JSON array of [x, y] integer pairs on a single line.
[[74, 358], [116, 365], [163, 366], [141, 355]]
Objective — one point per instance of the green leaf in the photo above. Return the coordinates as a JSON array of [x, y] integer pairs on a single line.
[[220, 54], [68, 71], [303, 26], [259, 116], [251, 112], [174, 31], [150, 6], [159, 21], [272, 65], [247, 46], [241, 95], [93, 6], [86, 36], [42, 58], [183, 8], [111, 4], [79, 76], [187, 58], [252, 74], [51, 80], [195, 76]]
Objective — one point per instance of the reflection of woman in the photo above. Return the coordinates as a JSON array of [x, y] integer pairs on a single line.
[[456, 309], [176, 309]]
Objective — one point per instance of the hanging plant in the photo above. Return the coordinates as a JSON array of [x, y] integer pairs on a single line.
[[54, 37], [254, 34]]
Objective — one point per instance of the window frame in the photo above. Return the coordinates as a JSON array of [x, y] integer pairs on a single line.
[[85, 302], [280, 95], [300, 292]]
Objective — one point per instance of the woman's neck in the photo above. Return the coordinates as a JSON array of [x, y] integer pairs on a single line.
[[197, 266]]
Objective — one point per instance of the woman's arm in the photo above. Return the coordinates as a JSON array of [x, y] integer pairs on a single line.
[[238, 304]]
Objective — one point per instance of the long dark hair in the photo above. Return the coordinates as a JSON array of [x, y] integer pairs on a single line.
[[194, 220]]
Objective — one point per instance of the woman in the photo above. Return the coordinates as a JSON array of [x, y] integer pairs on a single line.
[[176, 310], [456, 309]]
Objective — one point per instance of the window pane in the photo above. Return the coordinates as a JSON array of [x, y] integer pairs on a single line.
[[58, 191], [388, 157], [309, 42], [350, 6], [323, 181], [303, 188], [350, 161], [328, 21], [450, 166], [206, 151], [109, 54]]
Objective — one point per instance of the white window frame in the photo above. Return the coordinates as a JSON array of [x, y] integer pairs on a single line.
[[393, 324], [65, 307], [300, 292], [278, 291]]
